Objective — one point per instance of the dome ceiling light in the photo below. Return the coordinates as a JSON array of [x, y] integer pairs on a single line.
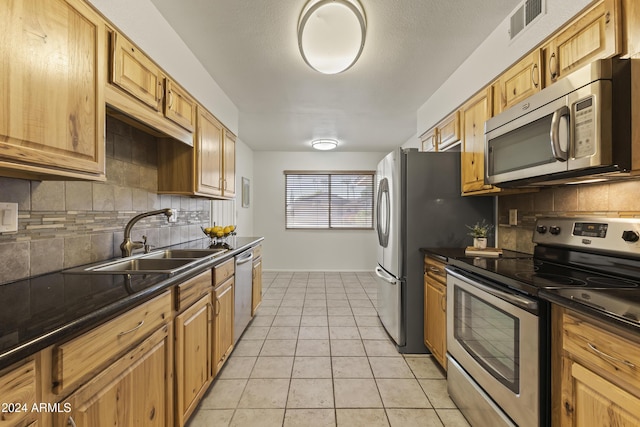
[[331, 34], [324, 144]]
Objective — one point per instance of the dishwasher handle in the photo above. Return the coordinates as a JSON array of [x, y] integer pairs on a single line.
[[243, 259]]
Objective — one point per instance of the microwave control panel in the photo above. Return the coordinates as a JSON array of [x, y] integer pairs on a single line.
[[584, 132]]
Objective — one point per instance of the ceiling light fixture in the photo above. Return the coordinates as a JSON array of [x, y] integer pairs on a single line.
[[324, 144], [331, 34]]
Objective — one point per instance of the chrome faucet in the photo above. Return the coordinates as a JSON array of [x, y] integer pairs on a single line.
[[128, 246]]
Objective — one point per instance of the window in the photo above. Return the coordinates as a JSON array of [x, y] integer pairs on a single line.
[[329, 200]]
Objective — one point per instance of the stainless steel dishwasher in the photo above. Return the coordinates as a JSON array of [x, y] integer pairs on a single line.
[[243, 283]]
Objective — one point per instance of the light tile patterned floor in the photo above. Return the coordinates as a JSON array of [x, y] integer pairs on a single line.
[[316, 355]]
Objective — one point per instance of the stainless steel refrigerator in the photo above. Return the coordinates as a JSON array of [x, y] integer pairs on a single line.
[[418, 204]]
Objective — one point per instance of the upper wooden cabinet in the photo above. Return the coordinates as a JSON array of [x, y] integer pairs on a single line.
[[474, 113], [141, 94], [444, 135], [207, 169], [520, 81], [595, 34], [52, 108], [134, 72]]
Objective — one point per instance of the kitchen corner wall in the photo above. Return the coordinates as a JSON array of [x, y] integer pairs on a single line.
[[612, 200], [63, 224]]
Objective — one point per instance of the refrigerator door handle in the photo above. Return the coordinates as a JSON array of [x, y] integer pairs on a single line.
[[383, 233], [385, 276]]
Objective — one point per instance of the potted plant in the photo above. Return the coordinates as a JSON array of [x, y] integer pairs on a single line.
[[480, 231]]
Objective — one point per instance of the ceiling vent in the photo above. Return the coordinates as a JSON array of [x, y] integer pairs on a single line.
[[524, 15]]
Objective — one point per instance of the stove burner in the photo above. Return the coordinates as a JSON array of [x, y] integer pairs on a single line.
[[612, 282], [550, 280]]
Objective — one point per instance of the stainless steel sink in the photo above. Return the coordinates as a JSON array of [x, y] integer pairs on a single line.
[[168, 261], [183, 253]]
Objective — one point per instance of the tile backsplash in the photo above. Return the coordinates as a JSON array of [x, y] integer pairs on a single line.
[[63, 224], [614, 200]]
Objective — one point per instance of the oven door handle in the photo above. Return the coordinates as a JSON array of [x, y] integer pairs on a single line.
[[517, 300]]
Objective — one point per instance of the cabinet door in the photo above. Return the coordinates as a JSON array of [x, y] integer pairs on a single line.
[[521, 81], [596, 401], [474, 114], [429, 140], [435, 319], [136, 73], [594, 35], [18, 387], [193, 356], [229, 164], [256, 286], [449, 131], [179, 106], [135, 391], [222, 324], [52, 105], [208, 155]]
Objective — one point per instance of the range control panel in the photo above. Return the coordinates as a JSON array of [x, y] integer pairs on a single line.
[[619, 235]]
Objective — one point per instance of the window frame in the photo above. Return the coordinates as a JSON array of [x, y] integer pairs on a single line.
[[329, 173]]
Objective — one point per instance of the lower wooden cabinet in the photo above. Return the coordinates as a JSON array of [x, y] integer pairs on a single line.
[[256, 284], [192, 356], [435, 310], [223, 305], [600, 382], [18, 394], [134, 391]]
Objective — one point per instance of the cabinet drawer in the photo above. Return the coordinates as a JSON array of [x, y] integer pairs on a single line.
[[87, 354], [609, 352], [435, 269], [17, 386], [190, 291], [257, 252], [222, 272]]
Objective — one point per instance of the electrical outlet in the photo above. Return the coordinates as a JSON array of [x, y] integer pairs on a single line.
[[8, 217], [513, 216]]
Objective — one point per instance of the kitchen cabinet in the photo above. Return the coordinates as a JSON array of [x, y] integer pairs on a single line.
[[473, 115], [444, 135], [595, 34], [435, 309], [193, 338], [133, 391], [52, 108], [521, 80], [205, 170], [18, 394], [223, 306], [141, 94], [256, 282], [600, 382], [193, 357]]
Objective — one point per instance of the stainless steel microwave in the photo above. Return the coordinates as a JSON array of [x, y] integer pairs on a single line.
[[576, 130]]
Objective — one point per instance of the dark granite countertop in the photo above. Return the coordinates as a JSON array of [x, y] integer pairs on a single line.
[[41, 311]]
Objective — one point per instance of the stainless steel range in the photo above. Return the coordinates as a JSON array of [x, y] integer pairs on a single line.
[[498, 313]]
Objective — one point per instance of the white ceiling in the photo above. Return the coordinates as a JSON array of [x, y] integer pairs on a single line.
[[250, 49]]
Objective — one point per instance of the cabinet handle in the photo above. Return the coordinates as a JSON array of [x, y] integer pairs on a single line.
[[170, 99], [71, 422], [133, 329], [443, 302], [534, 75], [435, 269], [217, 306], [608, 356], [553, 64], [160, 92]]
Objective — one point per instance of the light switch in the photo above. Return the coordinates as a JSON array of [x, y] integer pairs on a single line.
[[8, 217]]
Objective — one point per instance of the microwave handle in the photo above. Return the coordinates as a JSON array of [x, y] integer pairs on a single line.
[[556, 150]]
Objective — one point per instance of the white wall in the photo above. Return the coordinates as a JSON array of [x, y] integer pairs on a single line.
[[491, 58], [141, 22], [244, 168], [308, 250]]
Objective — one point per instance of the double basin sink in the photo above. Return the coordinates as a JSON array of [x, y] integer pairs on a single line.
[[168, 261]]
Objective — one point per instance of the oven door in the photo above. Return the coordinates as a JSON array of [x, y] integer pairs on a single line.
[[493, 334]]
